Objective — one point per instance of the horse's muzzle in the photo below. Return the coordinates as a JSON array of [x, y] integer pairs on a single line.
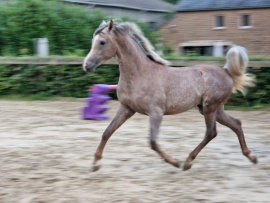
[[89, 67]]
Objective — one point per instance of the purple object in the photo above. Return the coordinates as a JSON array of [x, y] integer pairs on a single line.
[[96, 102]]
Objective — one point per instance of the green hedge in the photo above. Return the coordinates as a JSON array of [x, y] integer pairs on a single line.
[[47, 81], [257, 95], [71, 81]]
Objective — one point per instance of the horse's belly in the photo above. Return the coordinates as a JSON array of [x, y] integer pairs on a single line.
[[176, 109], [182, 104]]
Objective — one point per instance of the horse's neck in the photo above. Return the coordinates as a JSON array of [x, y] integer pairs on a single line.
[[132, 61]]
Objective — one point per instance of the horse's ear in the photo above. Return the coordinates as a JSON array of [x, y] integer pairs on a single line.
[[103, 23], [111, 25]]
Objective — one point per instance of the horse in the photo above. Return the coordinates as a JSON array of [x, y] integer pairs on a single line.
[[148, 85]]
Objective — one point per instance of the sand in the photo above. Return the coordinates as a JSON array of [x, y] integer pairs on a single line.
[[46, 152]]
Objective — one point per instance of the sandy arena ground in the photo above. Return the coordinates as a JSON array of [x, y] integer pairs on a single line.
[[46, 151]]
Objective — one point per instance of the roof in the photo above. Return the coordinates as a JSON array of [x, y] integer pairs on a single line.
[[147, 5], [211, 5]]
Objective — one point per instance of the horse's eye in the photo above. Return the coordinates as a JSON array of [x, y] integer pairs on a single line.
[[102, 43]]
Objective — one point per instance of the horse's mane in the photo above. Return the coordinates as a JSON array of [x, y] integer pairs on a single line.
[[136, 34]]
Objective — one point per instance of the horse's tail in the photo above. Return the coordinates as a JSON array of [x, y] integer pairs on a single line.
[[237, 61]]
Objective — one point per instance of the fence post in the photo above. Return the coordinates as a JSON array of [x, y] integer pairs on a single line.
[[42, 47]]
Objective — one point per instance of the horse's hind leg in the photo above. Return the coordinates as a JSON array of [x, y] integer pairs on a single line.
[[235, 125], [211, 132], [155, 121], [122, 115]]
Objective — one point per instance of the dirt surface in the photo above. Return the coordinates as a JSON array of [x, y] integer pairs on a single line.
[[46, 151]]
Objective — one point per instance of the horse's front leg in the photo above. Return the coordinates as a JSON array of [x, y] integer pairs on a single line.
[[121, 116], [155, 121]]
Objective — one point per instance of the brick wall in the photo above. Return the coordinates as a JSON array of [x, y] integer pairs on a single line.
[[190, 26]]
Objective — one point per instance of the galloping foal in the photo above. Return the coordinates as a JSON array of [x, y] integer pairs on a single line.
[[148, 86]]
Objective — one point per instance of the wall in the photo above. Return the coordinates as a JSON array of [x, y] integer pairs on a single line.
[[187, 26]]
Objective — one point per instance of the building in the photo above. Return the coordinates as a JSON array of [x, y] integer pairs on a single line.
[[150, 11], [211, 26]]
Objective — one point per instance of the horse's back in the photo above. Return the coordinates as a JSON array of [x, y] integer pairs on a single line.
[[202, 76]]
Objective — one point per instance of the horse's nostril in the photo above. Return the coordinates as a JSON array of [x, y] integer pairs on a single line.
[[85, 66]]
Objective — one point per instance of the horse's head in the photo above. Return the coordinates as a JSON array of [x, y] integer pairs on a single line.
[[103, 47]]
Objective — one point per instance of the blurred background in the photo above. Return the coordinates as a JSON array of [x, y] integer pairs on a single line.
[[36, 35], [46, 148]]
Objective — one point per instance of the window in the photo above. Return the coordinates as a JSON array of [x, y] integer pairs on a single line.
[[245, 21], [219, 22]]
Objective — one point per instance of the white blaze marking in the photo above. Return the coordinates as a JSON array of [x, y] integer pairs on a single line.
[[89, 54]]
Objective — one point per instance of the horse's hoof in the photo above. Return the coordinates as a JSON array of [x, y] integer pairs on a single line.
[[186, 167], [254, 160], [95, 168], [177, 164]]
